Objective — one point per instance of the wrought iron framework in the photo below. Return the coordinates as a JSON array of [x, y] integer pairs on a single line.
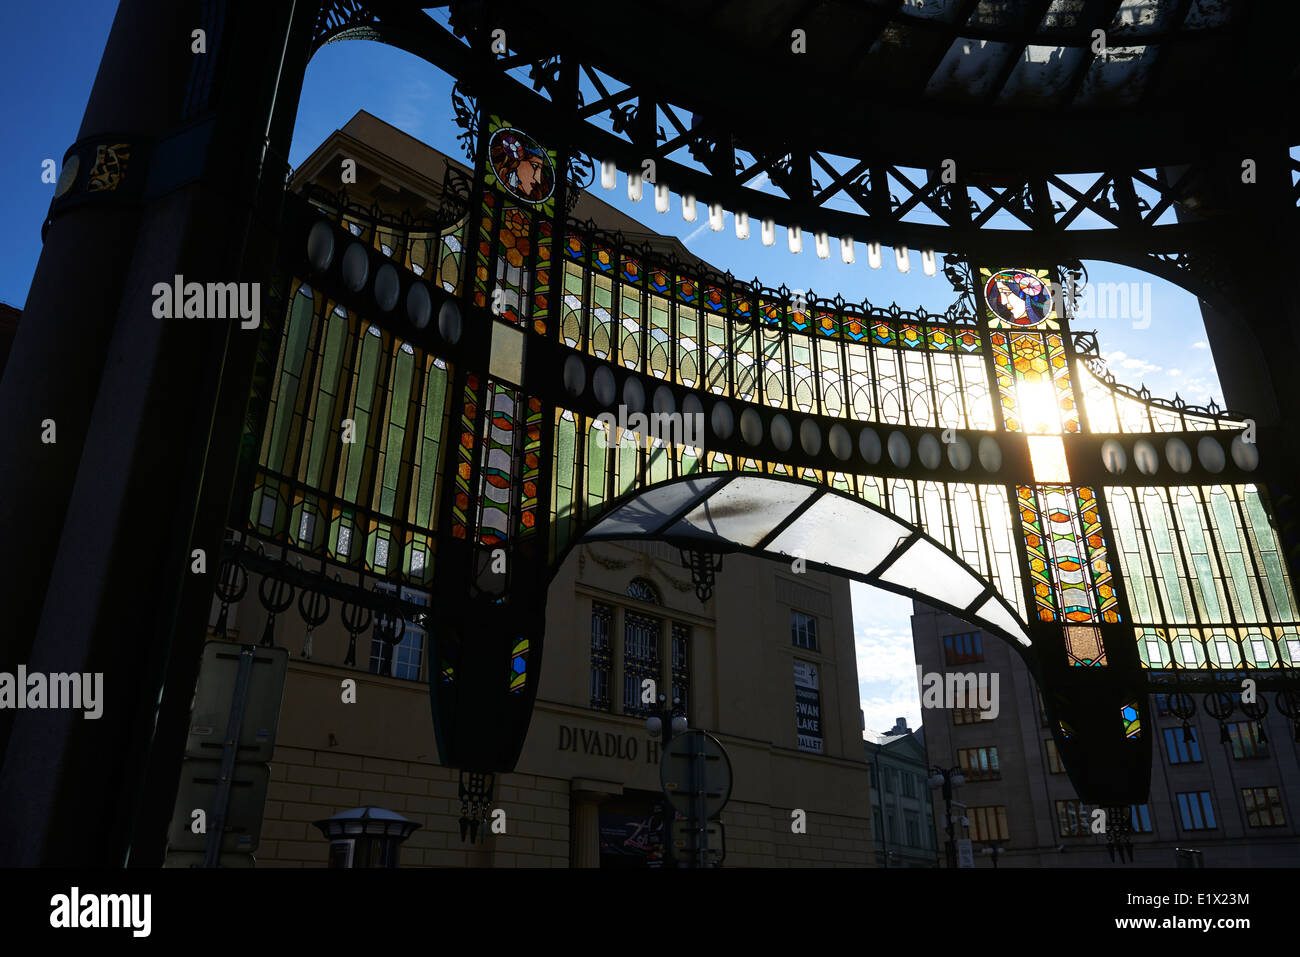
[[1150, 213], [484, 358]]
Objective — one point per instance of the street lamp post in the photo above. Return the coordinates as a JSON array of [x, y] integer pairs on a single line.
[[662, 721], [994, 851], [948, 779]]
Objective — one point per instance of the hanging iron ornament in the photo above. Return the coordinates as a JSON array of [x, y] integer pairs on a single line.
[[356, 619], [1288, 703], [704, 568], [390, 629], [1219, 705], [1119, 830], [276, 595], [314, 612], [1256, 710], [232, 584], [1180, 703], [475, 801]]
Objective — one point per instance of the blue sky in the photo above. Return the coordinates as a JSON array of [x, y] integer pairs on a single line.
[[48, 59]]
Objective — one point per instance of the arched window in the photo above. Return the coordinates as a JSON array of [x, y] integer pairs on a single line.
[[642, 590]]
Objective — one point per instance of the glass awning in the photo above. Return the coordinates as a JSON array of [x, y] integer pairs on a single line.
[[791, 519]]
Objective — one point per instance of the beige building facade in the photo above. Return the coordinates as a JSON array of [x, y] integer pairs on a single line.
[[585, 771], [1233, 803]]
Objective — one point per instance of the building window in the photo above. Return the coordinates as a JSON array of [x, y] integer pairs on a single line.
[[892, 827], [643, 590], [602, 618], [1197, 812], [889, 780], [1182, 745], [875, 823], [1139, 816], [681, 667], [967, 715], [979, 764], [404, 659], [640, 659], [1263, 807], [988, 823], [913, 830], [1246, 740], [1054, 765], [871, 775], [1071, 819], [803, 630], [963, 649], [909, 784]]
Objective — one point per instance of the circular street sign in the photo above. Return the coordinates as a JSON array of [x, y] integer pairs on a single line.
[[693, 762]]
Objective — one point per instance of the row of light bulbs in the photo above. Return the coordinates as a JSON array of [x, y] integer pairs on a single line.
[[794, 235]]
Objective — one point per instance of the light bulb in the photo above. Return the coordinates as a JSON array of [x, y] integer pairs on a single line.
[[769, 232], [902, 259], [608, 174], [927, 261], [846, 249], [873, 255], [662, 197], [742, 225], [716, 214], [822, 243], [794, 239], [634, 187], [688, 208]]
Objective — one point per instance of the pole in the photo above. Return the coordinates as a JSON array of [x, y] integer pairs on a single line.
[[229, 754], [700, 823]]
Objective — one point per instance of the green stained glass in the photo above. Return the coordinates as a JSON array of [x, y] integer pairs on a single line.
[[1206, 583], [563, 480], [434, 414], [1241, 580], [355, 450], [1278, 588], [630, 329], [291, 369], [597, 467], [336, 330], [398, 407]]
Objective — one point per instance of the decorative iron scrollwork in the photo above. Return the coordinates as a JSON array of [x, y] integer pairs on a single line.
[[465, 108]]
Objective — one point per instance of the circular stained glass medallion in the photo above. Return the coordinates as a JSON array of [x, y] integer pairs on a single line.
[[1019, 297], [522, 167]]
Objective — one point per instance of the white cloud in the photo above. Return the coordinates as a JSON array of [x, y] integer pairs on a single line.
[[885, 658], [1201, 344]]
